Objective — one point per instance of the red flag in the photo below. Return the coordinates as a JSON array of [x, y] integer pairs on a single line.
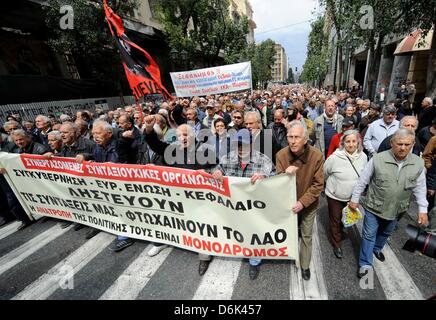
[[141, 70]]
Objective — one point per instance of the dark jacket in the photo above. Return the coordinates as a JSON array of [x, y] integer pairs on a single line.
[[147, 156], [41, 138], [426, 117], [80, 146], [6, 146], [280, 137], [177, 115], [188, 162], [34, 148], [386, 145], [108, 153], [128, 147], [424, 136]]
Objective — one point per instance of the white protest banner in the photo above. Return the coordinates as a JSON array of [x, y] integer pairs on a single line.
[[184, 208], [201, 82]]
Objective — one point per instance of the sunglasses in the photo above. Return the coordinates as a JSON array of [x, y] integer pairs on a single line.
[[237, 117]]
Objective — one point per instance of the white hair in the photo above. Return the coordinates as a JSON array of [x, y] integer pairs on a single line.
[[104, 125], [405, 118], [56, 134], [45, 119], [429, 100], [255, 114], [298, 124]]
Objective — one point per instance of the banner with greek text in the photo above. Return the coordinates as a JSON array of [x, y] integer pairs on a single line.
[[201, 82], [183, 208]]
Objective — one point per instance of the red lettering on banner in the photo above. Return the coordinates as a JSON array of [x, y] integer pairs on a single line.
[[54, 212], [167, 176], [234, 250]]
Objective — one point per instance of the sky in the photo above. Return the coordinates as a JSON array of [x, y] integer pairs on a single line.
[[286, 22]]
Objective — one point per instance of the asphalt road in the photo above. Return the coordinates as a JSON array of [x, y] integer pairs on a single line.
[[44, 261]]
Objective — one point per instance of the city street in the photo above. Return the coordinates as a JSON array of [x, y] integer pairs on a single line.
[[44, 261]]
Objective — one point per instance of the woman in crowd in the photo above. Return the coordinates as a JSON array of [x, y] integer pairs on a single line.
[[220, 138], [341, 172]]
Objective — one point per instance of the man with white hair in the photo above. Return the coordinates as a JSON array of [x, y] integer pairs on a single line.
[[24, 143], [409, 123], [306, 162], [64, 118], [55, 141], [392, 177], [43, 127], [184, 153], [380, 129], [105, 150], [427, 114]]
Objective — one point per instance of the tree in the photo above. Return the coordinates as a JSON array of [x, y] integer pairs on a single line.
[[315, 68], [291, 78], [262, 58], [368, 22], [90, 41], [204, 29]]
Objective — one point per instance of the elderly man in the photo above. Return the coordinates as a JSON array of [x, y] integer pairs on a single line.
[[129, 140], [248, 163], [325, 127], [195, 123], [279, 131], [184, 153], [163, 129], [409, 123], [380, 129], [72, 145], [105, 150], [10, 126], [262, 139], [392, 176], [55, 141], [211, 109], [427, 114], [24, 144], [43, 127], [307, 163]]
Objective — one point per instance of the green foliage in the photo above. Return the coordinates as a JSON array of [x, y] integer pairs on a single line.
[[90, 39], [262, 58], [315, 67], [203, 28]]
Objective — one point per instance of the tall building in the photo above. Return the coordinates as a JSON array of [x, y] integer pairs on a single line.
[[240, 8], [279, 70]]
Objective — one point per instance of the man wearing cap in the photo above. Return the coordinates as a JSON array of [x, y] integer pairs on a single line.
[[211, 114], [246, 162], [348, 124], [380, 129]]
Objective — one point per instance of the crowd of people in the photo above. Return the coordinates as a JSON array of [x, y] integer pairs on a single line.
[[352, 151]]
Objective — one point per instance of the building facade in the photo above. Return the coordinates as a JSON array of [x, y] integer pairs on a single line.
[[279, 70], [240, 8]]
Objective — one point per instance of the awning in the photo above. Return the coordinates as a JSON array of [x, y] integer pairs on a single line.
[[414, 42]]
